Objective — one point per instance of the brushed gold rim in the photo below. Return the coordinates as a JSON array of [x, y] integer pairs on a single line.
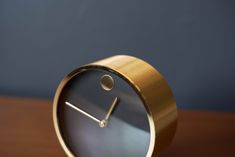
[[153, 145]]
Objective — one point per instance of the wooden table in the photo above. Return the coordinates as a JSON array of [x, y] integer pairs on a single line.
[[26, 129]]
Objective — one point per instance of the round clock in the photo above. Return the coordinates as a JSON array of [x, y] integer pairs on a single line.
[[116, 107]]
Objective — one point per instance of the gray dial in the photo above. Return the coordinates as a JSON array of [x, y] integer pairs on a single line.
[[100, 115]]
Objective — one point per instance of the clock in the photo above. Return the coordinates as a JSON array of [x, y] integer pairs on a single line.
[[120, 106]]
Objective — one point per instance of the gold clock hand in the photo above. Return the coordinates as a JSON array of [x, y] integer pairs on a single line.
[[83, 112], [114, 103]]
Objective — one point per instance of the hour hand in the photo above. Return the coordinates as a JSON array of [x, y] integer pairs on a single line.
[[113, 105]]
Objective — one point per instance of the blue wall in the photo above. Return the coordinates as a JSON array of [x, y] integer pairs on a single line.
[[191, 42]]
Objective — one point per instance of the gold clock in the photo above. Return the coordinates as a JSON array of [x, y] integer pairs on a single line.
[[116, 107]]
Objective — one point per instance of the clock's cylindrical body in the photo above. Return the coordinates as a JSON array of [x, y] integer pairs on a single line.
[[151, 88], [154, 92]]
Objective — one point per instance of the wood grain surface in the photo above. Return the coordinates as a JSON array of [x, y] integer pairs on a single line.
[[26, 130]]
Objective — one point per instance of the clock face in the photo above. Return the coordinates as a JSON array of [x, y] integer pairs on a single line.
[[100, 115]]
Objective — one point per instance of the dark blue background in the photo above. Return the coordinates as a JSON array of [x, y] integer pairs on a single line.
[[191, 42]]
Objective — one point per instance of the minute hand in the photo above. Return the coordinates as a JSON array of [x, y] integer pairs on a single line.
[[114, 103], [83, 112]]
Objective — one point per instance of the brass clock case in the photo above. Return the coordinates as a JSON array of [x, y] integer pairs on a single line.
[[152, 89]]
